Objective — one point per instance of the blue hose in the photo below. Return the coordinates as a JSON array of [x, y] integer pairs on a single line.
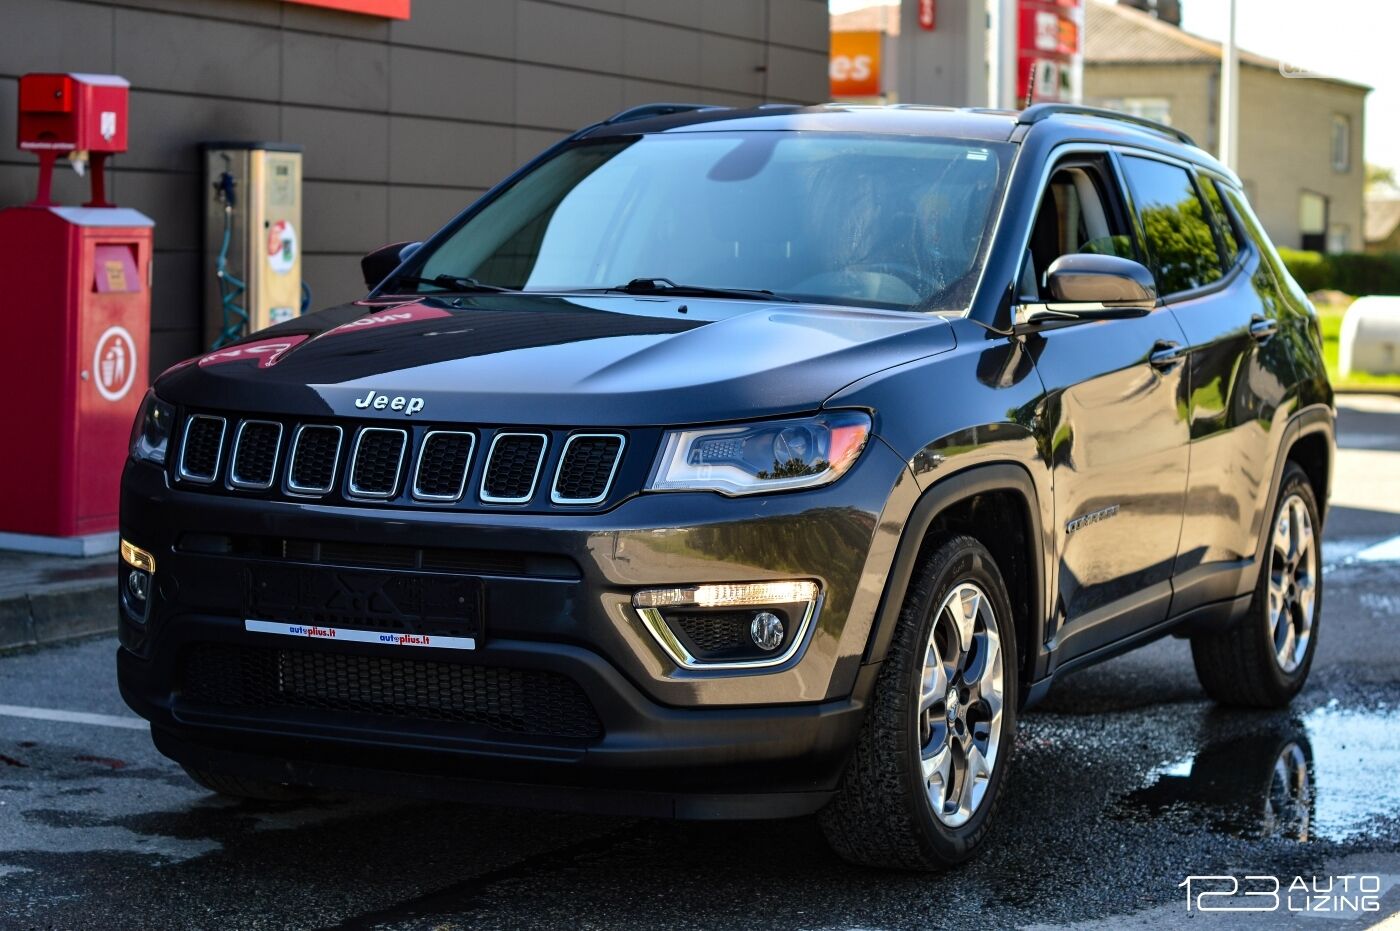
[[235, 315]]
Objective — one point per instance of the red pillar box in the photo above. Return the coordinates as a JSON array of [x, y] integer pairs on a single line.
[[76, 311], [73, 362]]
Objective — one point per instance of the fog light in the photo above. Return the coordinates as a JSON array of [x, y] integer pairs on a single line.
[[767, 631], [706, 626], [139, 583]]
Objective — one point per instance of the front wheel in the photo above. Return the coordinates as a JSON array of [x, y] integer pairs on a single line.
[[926, 773], [1263, 660]]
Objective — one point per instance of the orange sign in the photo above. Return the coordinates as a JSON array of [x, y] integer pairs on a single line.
[[855, 64], [389, 9]]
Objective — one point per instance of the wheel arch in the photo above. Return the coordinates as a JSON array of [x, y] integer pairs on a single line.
[[975, 502]]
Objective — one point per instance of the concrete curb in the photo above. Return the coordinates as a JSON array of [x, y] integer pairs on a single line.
[[58, 613]]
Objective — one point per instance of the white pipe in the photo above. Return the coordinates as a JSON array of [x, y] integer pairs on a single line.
[[1229, 96]]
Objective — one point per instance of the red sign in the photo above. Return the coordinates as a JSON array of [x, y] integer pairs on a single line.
[[928, 15], [1047, 46], [389, 9]]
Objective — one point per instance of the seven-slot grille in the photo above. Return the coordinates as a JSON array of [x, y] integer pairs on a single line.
[[442, 465], [315, 452], [203, 448], [255, 447], [378, 459], [385, 463], [586, 468], [512, 468]]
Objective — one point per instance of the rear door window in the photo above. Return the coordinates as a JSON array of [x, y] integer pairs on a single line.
[[1224, 223], [1176, 224]]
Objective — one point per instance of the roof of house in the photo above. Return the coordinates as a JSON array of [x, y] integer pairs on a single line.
[[881, 17], [1382, 217], [1121, 35]]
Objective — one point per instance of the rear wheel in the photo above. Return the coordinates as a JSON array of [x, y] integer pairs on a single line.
[[1263, 660], [926, 774], [239, 787]]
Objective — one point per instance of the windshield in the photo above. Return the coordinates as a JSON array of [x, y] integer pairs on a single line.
[[879, 221]]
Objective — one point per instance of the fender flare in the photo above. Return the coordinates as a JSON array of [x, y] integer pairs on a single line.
[[975, 480]]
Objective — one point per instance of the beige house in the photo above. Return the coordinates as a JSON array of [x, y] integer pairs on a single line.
[[1300, 148]]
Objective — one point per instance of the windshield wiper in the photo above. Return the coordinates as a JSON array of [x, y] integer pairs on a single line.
[[667, 286], [456, 283]]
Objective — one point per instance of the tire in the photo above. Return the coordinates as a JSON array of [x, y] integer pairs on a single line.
[[1252, 662], [883, 814], [241, 788]]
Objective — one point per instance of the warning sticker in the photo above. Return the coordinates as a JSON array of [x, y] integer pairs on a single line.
[[281, 247], [114, 363]]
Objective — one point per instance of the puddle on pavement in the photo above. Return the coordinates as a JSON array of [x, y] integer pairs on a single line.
[[1327, 775]]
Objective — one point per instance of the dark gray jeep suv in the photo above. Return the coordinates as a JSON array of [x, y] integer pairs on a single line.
[[741, 464]]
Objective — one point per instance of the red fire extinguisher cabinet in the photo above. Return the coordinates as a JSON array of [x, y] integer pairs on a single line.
[[73, 362]]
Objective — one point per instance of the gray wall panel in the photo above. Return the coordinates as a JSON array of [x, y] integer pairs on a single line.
[[403, 123]]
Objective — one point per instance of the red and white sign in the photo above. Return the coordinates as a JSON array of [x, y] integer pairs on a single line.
[[388, 9], [281, 247], [928, 15], [1047, 50], [114, 363]]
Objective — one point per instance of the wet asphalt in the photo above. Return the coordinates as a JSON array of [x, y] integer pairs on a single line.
[[1126, 781]]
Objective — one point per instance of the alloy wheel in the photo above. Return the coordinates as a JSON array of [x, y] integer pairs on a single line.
[[960, 704], [1292, 583]]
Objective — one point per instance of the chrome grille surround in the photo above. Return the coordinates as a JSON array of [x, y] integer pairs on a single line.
[[423, 452], [557, 498], [298, 489], [199, 477], [393, 485], [241, 482], [489, 498]]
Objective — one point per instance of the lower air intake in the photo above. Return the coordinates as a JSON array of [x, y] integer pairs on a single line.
[[512, 701]]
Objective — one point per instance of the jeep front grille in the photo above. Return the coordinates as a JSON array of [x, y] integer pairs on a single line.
[[513, 467], [315, 453], [368, 463], [586, 468], [203, 448], [255, 448], [443, 462], [377, 461]]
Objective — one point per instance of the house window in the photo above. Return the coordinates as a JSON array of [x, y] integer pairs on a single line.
[[1338, 237], [1312, 221], [1341, 142]]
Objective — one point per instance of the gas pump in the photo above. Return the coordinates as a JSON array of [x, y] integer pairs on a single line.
[[73, 361], [252, 238]]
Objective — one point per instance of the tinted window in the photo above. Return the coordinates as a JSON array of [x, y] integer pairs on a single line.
[[1179, 235], [885, 221], [1224, 223]]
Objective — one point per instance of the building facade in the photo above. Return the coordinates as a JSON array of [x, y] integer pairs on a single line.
[[403, 122], [1300, 145]]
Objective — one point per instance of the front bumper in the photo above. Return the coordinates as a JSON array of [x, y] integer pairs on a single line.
[[687, 743]]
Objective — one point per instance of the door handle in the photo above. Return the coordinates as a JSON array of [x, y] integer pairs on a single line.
[[1165, 354], [1261, 328]]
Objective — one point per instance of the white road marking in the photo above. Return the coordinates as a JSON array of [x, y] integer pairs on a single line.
[[1384, 551], [73, 717]]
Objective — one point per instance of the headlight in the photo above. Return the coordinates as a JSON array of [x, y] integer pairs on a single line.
[[150, 435], [773, 455]]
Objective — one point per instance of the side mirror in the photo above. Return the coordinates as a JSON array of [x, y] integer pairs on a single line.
[[1086, 278], [380, 263]]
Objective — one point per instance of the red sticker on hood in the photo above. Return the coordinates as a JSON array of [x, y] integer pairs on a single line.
[[267, 352]]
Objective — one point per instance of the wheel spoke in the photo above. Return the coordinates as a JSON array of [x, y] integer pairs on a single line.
[[937, 770], [969, 604], [973, 783], [934, 687], [1290, 641]]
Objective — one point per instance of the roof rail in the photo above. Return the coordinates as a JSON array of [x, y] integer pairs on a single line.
[[1042, 111], [646, 110]]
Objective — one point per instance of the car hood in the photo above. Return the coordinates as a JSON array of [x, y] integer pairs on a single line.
[[555, 360]]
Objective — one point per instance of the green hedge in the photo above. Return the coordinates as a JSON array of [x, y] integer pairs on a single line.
[[1354, 273]]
